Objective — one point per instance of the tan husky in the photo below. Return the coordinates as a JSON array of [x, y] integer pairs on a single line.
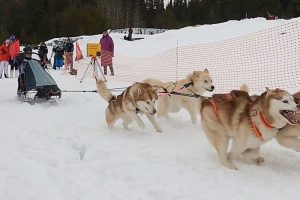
[[138, 98], [289, 136], [248, 123], [197, 83]]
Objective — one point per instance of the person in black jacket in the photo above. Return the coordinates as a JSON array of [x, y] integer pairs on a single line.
[[69, 48], [22, 61], [42, 52], [129, 37]]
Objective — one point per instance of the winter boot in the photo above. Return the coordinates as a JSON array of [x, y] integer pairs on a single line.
[[105, 70], [111, 70]]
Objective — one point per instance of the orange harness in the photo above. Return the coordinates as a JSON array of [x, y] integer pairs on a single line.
[[257, 133], [230, 97], [225, 97]]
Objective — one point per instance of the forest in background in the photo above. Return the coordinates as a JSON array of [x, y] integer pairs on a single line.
[[34, 21]]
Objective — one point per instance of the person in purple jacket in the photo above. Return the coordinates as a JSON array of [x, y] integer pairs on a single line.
[[107, 52]]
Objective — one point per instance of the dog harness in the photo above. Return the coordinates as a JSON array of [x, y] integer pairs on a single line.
[[178, 91], [263, 119], [230, 97], [225, 97]]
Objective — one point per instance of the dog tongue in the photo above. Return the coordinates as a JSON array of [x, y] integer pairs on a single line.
[[291, 116]]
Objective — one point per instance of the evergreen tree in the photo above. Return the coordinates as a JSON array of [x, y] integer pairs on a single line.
[[34, 21]]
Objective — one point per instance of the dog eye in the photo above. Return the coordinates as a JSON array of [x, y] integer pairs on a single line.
[[148, 103], [205, 81], [285, 101]]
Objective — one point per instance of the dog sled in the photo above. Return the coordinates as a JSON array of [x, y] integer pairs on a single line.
[[38, 84]]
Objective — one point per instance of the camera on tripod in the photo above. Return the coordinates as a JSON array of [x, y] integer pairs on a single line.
[[93, 50]]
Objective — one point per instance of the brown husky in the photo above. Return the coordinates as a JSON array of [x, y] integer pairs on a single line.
[[289, 136], [197, 83], [138, 98], [248, 123]]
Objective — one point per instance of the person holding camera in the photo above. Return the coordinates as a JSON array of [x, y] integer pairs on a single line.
[[107, 52], [4, 58]]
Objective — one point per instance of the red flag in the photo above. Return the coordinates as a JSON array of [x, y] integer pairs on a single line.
[[79, 55]]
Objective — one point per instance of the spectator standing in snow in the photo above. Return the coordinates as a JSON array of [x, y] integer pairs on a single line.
[[58, 57], [4, 58], [69, 48], [129, 37], [107, 52], [42, 52], [22, 62], [14, 50]]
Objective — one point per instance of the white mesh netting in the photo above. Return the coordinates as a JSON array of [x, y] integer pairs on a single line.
[[268, 58]]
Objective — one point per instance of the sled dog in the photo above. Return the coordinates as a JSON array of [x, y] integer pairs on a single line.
[[248, 123], [138, 98], [289, 136], [197, 83]]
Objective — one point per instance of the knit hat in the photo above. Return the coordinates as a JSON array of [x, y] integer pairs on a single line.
[[27, 49], [12, 38]]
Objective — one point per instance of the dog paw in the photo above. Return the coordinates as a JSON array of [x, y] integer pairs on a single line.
[[230, 166], [158, 129], [259, 160], [142, 125], [126, 128]]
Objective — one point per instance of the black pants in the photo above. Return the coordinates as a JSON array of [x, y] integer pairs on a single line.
[[13, 65], [111, 70], [21, 83]]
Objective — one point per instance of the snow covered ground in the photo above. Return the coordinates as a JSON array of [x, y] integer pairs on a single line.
[[64, 150]]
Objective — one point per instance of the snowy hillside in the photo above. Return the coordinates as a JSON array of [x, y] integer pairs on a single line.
[[63, 150]]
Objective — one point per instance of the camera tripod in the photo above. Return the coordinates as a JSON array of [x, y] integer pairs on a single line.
[[93, 64]]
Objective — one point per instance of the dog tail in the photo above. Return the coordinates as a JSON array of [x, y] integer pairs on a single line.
[[103, 91], [153, 82], [244, 88]]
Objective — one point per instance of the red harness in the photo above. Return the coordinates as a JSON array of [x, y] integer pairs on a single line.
[[225, 97], [262, 117], [230, 97]]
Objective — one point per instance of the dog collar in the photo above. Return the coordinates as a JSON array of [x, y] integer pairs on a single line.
[[257, 133], [262, 118], [265, 121]]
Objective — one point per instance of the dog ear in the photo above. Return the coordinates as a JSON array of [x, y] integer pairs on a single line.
[[157, 87], [154, 90], [189, 76], [206, 70], [269, 91], [139, 92]]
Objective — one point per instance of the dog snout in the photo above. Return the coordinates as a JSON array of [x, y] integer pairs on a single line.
[[212, 88], [154, 111]]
